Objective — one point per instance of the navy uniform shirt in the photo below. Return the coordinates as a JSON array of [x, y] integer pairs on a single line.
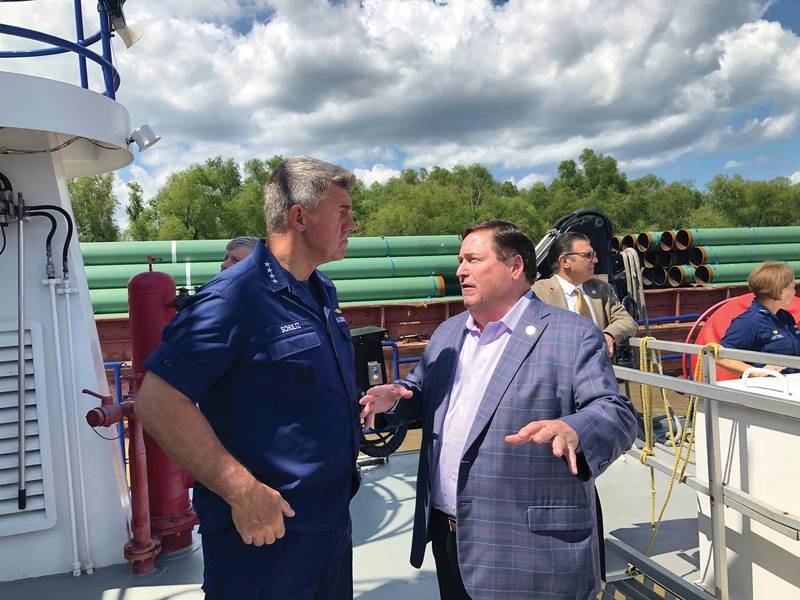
[[271, 368], [757, 329]]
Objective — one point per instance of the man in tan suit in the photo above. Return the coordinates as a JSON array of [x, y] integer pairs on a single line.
[[574, 287]]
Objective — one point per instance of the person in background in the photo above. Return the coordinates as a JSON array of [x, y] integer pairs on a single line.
[[766, 326], [520, 412], [237, 249], [574, 287], [265, 354]]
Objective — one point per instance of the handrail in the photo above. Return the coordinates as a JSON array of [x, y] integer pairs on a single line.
[[90, 41], [782, 360], [724, 395], [116, 367], [60, 45], [661, 574], [719, 492]]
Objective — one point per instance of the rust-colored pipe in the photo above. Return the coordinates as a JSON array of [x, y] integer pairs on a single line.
[[141, 551], [144, 547]]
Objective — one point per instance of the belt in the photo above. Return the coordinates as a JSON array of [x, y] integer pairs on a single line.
[[452, 525]]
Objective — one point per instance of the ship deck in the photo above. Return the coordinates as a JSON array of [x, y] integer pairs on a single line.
[[382, 514]]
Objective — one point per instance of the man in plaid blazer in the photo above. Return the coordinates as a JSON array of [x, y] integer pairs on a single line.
[[520, 412]]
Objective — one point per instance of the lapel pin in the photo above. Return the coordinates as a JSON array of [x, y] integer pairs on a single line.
[[530, 330]]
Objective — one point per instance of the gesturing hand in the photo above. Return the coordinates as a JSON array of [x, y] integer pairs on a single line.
[[381, 398], [258, 514], [563, 438]]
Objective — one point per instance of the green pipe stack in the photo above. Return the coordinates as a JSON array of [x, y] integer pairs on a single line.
[[735, 272], [712, 256], [375, 269], [727, 255]]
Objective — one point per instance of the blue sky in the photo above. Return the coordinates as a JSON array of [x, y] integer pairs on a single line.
[[762, 161], [685, 89]]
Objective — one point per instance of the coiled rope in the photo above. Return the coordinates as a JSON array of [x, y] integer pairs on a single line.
[[650, 362]]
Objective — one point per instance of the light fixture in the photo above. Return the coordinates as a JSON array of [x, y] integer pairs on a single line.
[[117, 21], [144, 137]]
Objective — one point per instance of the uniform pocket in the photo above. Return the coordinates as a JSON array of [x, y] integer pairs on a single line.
[[286, 346], [559, 518]]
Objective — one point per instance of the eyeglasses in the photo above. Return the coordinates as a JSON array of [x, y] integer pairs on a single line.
[[587, 255]]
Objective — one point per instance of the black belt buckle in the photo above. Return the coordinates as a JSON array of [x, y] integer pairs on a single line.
[[452, 525]]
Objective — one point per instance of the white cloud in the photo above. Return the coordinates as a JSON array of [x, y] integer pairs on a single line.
[[413, 84], [530, 179], [795, 177], [377, 174]]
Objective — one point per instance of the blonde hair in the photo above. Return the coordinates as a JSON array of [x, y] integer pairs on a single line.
[[768, 280]]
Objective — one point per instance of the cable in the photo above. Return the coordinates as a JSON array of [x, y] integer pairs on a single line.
[[51, 272], [110, 439], [17, 151], [6, 183], [53, 226], [67, 240], [3, 230]]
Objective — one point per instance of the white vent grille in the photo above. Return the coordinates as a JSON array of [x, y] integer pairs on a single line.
[[39, 512]]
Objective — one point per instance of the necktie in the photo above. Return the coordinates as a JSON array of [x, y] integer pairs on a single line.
[[581, 307]]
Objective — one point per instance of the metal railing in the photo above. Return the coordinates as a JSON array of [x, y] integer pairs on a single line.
[[57, 45], [719, 493], [116, 368], [396, 360]]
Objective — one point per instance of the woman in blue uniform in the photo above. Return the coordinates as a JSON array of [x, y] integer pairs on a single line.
[[766, 326]]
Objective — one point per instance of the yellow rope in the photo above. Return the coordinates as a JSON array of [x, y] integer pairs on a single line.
[[649, 361]]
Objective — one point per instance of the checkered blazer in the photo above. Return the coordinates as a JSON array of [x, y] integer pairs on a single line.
[[526, 525]]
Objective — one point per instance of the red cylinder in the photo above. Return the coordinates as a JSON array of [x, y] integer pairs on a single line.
[[151, 298]]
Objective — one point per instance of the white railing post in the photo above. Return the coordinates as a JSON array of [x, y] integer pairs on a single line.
[[719, 550]]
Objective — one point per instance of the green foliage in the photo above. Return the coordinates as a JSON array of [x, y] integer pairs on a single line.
[[141, 222], [216, 200], [419, 209], [194, 203], [93, 204]]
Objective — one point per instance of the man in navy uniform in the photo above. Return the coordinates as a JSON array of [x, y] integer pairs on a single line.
[[266, 355]]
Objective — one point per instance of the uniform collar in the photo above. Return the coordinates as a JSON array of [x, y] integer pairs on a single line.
[[275, 275], [763, 310], [760, 308]]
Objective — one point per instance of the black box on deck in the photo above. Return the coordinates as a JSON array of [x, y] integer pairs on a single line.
[[369, 363]]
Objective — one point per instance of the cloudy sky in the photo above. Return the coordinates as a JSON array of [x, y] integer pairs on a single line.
[[685, 89]]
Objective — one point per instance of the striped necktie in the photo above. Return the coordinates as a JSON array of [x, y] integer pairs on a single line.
[[581, 307]]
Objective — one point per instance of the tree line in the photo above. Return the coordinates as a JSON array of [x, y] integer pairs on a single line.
[[217, 199]]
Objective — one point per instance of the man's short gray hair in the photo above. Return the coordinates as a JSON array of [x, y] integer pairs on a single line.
[[300, 180], [242, 240]]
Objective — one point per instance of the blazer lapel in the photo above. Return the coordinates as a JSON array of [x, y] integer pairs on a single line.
[[557, 296], [523, 339], [596, 301]]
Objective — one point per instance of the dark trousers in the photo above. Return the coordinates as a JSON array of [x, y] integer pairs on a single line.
[[600, 534], [445, 553], [303, 565]]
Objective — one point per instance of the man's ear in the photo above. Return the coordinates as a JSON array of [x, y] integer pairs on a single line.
[[517, 266], [563, 263], [295, 218]]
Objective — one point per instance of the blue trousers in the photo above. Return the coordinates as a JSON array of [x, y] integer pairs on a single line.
[[303, 565]]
